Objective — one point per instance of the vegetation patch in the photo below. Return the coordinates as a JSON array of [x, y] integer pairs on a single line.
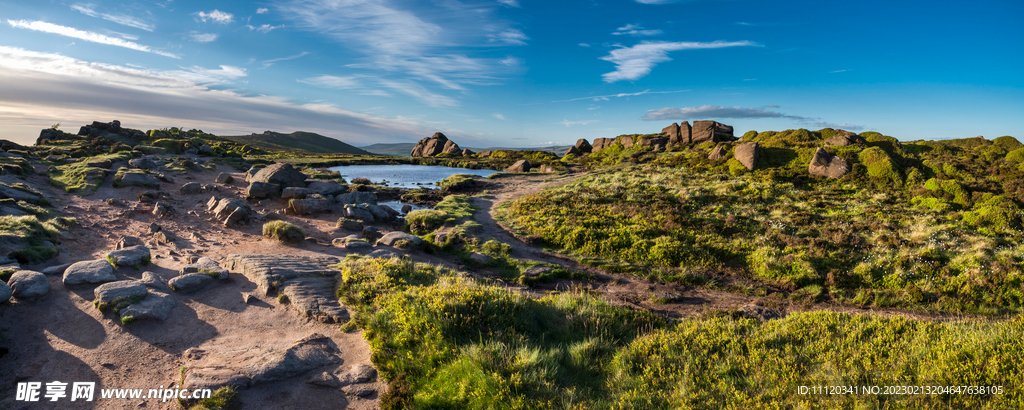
[[283, 231], [29, 233]]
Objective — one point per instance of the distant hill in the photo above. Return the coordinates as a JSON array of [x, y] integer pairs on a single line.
[[404, 149], [298, 141]]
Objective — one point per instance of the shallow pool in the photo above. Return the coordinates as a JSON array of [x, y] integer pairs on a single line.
[[406, 176]]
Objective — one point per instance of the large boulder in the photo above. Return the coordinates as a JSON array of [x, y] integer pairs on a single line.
[[358, 197], [5, 292], [382, 213], [137, 179], [326, 188], [583, 146], [190, 282], [261, 365], [28, 284], [393, 238], [95, 271], [359, 212], [520, 166], [827, 165], [131, 256], [283, 175], [191, 188], [260, 190], [710, 131], [225, 178], [48, 134], [207, 266], [309, 206], [572, 150], [747, 154], [451, 147], [120, 290], [293, 192], [717, 153], [626, 141], [658, 143], [156, 306], [466, 152], [844, 139], [672, 131], [231, 211], [429, 147], [143, 163]]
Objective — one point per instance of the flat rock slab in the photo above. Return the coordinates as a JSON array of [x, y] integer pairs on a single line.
[[309, 282], [56, 270], [152, 281], [130, 256], [97, 271], [156, 306], [253, 366], [190, 282], [122, 289], [392, 237], [28, 284], [207, 266]]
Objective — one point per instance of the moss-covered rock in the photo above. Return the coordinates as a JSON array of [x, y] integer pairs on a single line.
[[881, 167]]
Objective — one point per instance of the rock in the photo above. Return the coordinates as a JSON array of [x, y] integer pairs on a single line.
[[429, 147], [232, 211], [309, 206], [350, 225], [96, 271], [156, 306], [154, 228], [122, 289], [406, 208], [47, 134], [324, 379], [672, 131], [5, 292], [583, 146], [384, 253], [248, 298], [747, 154], [54, 270], [358, 197], [225, 178], [685, 133], [467, 152], [308, 282], [537, 271], [162, 210], [480, 258], [380, 213], [484, 154], [760, 313], [827, 165], [717, 153], [293, 192], [190, 282], [843, 140], [152, 281], [326, 188], [356, 245], [657, 143], [393, 237], [284, 175], [251, 172], [358, 212], [359, 391], [206, 149], [245, 368], [359, 373], [162, 238], [451, 147], [28, 284], [260, 190], [371, 233], [127, 242], [207, 266], [572, 150], [137, 179], [143, 163], [710, 131], [132, 256], [19, 195], [520, 166]]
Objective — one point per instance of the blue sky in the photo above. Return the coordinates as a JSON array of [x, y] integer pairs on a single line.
[[513, 72]]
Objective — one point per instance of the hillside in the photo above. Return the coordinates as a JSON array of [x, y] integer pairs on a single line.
[[297, 141]]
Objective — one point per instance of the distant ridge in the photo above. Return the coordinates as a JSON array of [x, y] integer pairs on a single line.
[[297, 141], [404, 149]]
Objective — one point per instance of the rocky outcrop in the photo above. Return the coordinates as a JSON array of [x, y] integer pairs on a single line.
[[466, 152], [293, 192], [283, 175], [827, 165], [451, 147], [520, 166], [230, 211], [747, 154], [583, 146], [844, 139], [28, 284], [308, 282], [658, 143], [710, 131], [434, 145], [358, 212], [96, 271], [717, 153], [207, 266], [672, 131], [249, 367], [143, 163], [261, 190], [572, 150]]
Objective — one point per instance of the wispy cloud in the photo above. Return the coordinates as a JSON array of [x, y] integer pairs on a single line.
[[635, 30], [45, 27], [620, 95], [421, 93], [353, 83], [714, 111], [838, 71], [499, 116], [659, 1], [568, 123], [122, 19], [584, 45], [201, 37], [510, 36], [634, 62], [511, 61], [749, 79], [510, 3], [268, 63], [43, 88], [216, 16], [262, 10], [265, 28]]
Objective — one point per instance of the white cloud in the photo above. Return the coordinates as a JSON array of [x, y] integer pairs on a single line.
[[568, 123], [635, 30], [844, 126], [499, 116], [838, 71], [620, 95], [122, 35], [125, 20], [511, 61], [510, 3], [330, 81], [43, 88], [714, 111], [201, 37], [634, 62], [584, 45], [421, 93], [510, 36], [217, 16], [84, 35], [262, 10], [265, 28], [268, 63]]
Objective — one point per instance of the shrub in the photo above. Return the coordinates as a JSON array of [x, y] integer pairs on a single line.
[[283, 231], [880, 166]]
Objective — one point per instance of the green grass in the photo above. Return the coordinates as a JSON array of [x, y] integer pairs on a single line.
[[451, 209], [445, 341], [33, 232], [85, 176], [283, 231], [224, 398]]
